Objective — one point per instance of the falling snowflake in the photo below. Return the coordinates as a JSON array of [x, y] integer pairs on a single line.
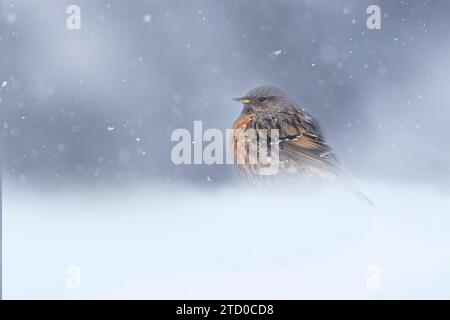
[[147, 18], [11, 18]]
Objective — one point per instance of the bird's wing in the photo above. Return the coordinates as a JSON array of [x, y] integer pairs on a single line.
[[301, 141], [300, 138]]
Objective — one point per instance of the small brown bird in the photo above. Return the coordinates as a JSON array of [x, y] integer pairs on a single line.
[[297, 140]]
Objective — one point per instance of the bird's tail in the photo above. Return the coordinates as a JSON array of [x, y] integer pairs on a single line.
[[346, 181], [349, 184]]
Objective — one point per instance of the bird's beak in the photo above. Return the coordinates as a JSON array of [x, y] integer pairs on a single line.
[[243, 100]]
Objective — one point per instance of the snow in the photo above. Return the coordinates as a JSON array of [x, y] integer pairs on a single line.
[[147, 18], [277, 52], [140, 243], [11, 18]]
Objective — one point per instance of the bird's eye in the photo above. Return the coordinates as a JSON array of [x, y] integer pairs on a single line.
[[262, 99]]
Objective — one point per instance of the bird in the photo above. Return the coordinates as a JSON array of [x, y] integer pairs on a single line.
[[279, 129]]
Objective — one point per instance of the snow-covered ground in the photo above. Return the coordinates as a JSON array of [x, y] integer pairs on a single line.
[[177, 242]]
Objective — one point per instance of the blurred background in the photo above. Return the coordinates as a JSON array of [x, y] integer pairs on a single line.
[[99, 104], [86, 120]]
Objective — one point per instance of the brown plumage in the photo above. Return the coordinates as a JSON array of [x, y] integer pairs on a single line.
[[301, 146]]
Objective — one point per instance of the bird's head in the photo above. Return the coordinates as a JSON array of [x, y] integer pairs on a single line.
[[262, 98]]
